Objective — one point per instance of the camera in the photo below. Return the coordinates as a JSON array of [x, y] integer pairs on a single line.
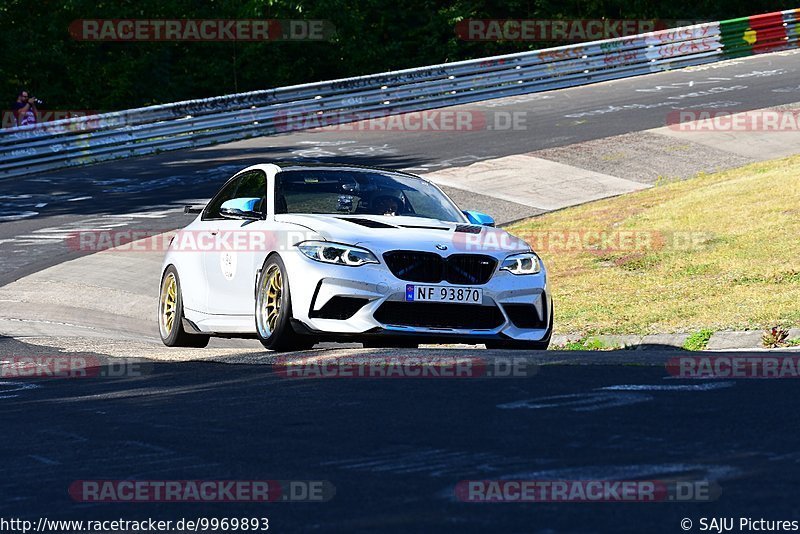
[[35, 101]]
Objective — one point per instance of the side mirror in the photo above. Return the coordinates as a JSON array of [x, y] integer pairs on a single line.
[[476, 217], [241, 208]]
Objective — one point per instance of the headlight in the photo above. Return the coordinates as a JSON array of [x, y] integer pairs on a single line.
[[336, 253], [525, 263]]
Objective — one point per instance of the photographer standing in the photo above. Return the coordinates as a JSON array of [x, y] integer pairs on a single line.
[[25, 109]]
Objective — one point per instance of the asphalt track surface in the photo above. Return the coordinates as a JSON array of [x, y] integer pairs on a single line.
[[394, 449], [116, 192]]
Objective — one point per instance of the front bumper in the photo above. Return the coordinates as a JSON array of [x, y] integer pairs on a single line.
[[353, 302]]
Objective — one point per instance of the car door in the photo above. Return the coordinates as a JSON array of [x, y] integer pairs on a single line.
[[192, 242], [230, 264]]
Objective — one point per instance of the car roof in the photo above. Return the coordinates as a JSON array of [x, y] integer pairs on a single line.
[[295, 165]]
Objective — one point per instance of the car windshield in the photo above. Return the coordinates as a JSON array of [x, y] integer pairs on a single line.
[[349, 192]]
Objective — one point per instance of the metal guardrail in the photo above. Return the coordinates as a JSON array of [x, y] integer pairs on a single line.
[[197, 123]]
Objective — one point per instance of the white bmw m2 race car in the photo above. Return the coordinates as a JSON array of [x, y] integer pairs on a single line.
[[296, 254]]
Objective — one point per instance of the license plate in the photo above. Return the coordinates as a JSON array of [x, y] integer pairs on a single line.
[[462, 295]]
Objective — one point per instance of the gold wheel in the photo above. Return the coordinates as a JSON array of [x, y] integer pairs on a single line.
[[269, 301], [168, 305]]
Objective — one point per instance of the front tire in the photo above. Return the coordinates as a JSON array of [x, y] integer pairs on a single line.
[[170, 314], [274, 309]]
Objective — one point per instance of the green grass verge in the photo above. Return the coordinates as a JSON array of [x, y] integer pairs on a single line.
[[718, 252], [698, 340], [591, 343]]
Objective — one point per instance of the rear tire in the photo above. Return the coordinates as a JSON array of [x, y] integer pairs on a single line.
[[170, 314], [274, 310]]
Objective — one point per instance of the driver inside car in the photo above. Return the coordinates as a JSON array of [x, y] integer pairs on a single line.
[[388, 205]]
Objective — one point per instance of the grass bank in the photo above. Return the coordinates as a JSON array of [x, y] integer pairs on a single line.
[[719, 251]]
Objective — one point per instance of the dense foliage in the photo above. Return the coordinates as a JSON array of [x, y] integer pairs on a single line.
[[371, 36]]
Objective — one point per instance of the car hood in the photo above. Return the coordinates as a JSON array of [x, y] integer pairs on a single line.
[[384, 233]]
